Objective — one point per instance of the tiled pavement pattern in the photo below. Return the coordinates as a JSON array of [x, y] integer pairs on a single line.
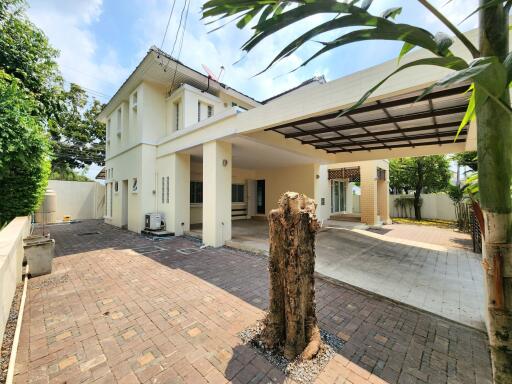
[[442, 280], [447, 282], [428, 234], [121, 308]]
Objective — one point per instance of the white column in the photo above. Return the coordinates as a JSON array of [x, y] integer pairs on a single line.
[[349, 206], [216, 193], [322, 192], [179, 220]]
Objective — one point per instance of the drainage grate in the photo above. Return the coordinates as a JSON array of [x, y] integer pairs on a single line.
[[145, 249], [188, 251], [88, 233]]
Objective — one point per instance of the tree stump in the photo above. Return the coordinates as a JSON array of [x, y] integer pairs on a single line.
[[291, 324]]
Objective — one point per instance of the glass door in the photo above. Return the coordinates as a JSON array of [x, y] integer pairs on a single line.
[[337, 196]]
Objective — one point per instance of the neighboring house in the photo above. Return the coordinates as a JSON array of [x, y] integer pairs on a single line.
[[198, 151]]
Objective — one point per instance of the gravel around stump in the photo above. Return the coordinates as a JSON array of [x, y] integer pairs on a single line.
[[10, 330], [301, 371]]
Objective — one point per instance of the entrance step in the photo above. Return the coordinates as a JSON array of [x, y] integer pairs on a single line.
[[346, 217]]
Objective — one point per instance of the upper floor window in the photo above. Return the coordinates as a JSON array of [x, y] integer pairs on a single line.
[[198, 111], [177, 115], [119, 117], [134, 101], [210, 110]]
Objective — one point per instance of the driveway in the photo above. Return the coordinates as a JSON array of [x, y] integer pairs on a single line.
[[122, 308], [431, 276]]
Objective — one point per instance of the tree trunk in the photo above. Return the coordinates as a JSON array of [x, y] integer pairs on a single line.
[[494, 138], [419, 188], [417, 205], [291, 324]]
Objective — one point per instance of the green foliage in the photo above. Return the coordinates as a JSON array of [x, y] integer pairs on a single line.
[[352, 22], [455, 192], [68, 174], [24, 151], [426, 174], [26, 54], [467, 159], [77, 139], [430, 174]]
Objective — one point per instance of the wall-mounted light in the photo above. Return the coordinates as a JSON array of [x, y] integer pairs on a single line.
[[317, 177], [224, 162]]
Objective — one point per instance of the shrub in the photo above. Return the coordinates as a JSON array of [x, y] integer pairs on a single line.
[[24, 151]]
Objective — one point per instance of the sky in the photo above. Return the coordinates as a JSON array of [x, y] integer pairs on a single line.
[[102, 41]]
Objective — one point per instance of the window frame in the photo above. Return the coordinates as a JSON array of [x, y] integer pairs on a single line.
[[196, 192], [236, 188]]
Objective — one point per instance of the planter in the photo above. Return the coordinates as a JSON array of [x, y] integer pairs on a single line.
[[39, 251]]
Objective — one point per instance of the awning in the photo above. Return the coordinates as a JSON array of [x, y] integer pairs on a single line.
[[393, 122]]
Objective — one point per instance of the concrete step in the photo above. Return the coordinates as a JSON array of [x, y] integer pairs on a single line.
[[345, 217]]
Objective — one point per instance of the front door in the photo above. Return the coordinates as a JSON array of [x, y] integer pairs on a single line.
[[337, 196]]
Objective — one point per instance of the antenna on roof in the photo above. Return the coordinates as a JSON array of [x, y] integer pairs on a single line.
[[209, 72], [220, 73]]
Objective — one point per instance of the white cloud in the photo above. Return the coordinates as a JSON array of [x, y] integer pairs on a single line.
[[222, 47], [69, 26]]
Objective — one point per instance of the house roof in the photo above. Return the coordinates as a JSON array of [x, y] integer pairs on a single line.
[[315, 79], [146, 69]]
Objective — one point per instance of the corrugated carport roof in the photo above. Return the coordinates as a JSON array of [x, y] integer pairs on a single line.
[[392, 122]]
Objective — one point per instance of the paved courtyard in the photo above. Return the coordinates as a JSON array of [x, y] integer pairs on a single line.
[[427, 274], [122, 308]]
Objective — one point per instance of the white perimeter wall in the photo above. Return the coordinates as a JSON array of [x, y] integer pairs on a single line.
[[435, 206], [11, 259], [80, 199]]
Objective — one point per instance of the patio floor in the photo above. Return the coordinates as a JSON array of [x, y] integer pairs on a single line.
[[122, 308], [418, 267]]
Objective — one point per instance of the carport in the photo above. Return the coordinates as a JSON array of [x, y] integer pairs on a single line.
[[441, 279]]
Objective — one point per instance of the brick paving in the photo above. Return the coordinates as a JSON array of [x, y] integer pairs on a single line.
[[122, 308]]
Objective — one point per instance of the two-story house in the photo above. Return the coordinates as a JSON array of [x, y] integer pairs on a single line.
[[197, 151]]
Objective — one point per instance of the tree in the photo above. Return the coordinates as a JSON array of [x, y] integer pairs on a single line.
[[490, 74], [24, 148], [425, 174], [26, 55], [69, 175], [291, 325], [78, 139], [467, 159]]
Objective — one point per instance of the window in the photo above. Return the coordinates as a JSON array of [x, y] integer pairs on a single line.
[[134, 101], [210, 110], [119, 117], [163, 189], [116, 186], [177, 113], [167, 194], [196, 192], [109, 123], [198, 111], [110, 200], [237, 193], [134, 185]]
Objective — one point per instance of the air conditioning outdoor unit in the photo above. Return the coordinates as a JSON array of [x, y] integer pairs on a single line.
[[153, 221]]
